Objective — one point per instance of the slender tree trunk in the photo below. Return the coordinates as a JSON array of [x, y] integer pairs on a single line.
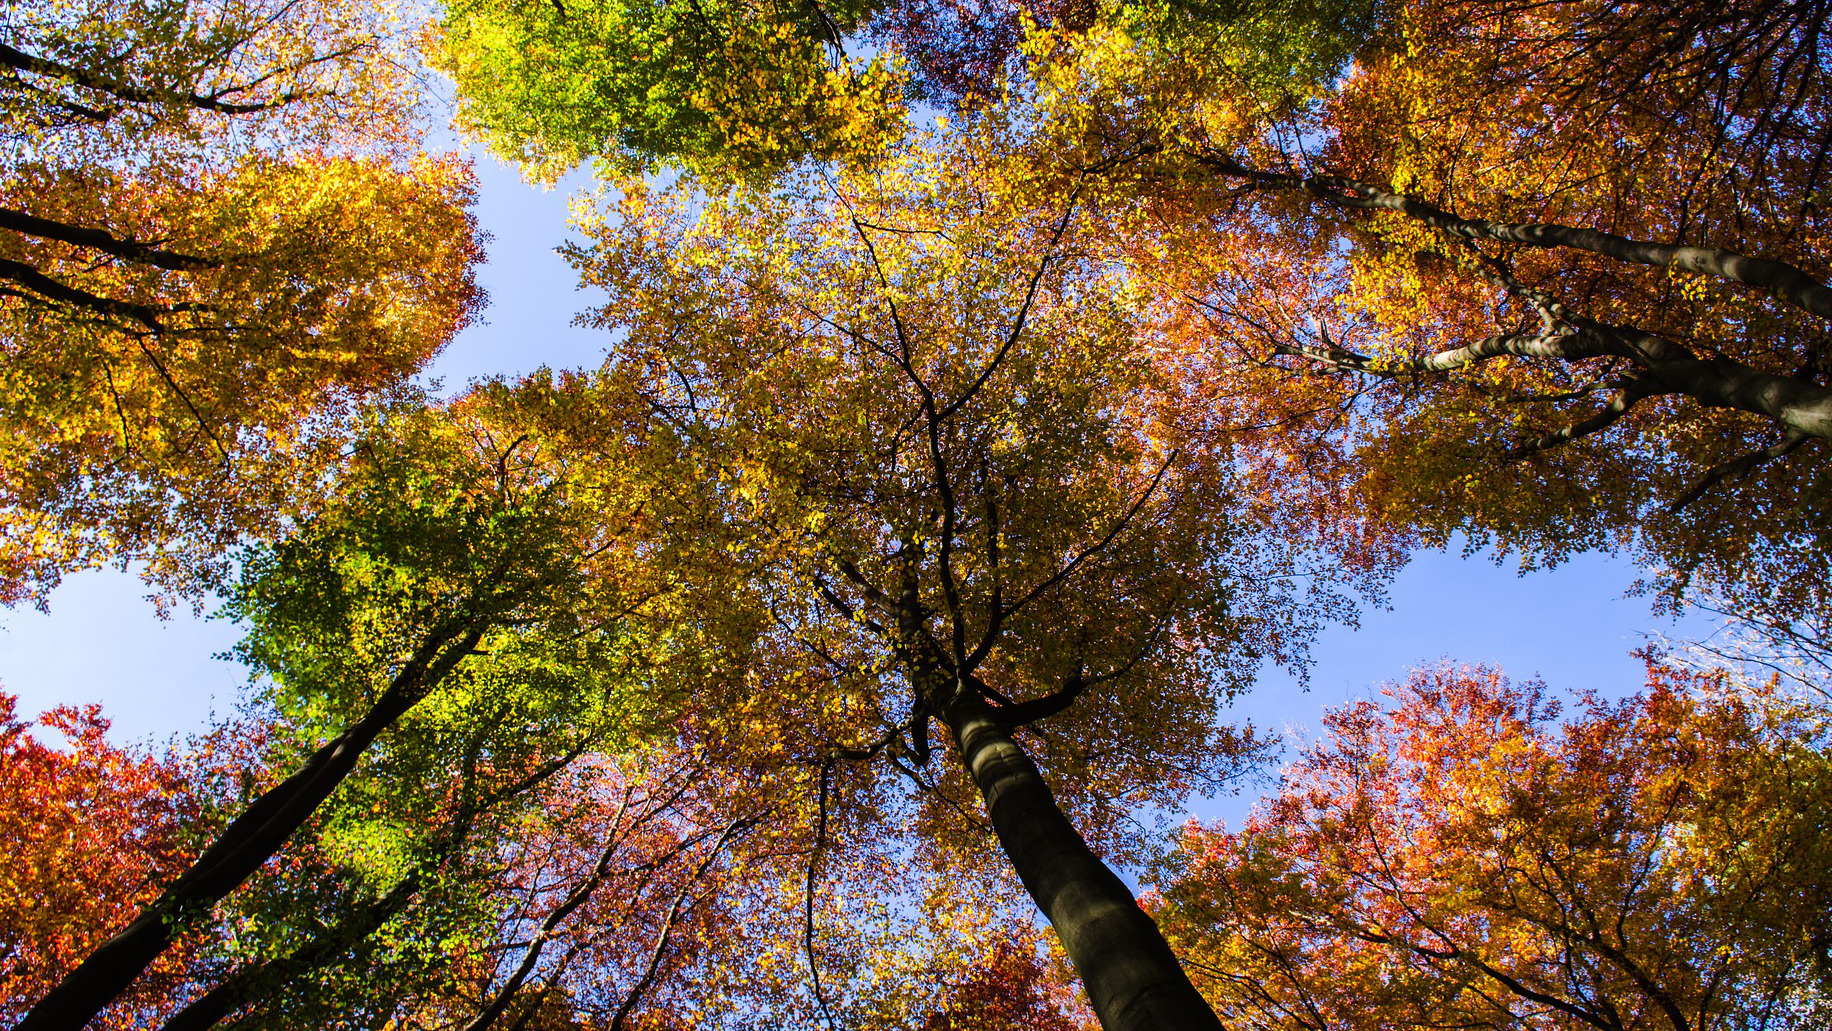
[[256, 981], [253, 838], [1131, 976]]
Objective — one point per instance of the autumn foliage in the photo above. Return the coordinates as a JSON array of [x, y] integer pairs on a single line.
[[1473, 853], [92, 830], [1549, 277], [216, 242], [995, 388]]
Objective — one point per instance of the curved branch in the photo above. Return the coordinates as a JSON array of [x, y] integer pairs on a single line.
[[1784, 281], [101, 240], [674, 912], [820, 842], [51, 289], [1565, 346], [1118, 527], [1737, 467], [25, 62], [1030, 297], [1630, 395]]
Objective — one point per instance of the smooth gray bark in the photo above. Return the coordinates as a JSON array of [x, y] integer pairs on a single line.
[[1131, 976], [1785, 281], [1797, 404]]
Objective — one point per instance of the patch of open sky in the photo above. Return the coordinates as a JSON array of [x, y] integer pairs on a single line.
[[1573, 626], [534, 293], [103, 641]]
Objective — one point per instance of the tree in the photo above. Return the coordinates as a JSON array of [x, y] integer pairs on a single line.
[[1698, 247], [1468, 857], [1516, 325], [748, 90], [1236, 120], [931, 412], [491, 811], [537, 880], [725, 88], [215, 242], [446, 541]]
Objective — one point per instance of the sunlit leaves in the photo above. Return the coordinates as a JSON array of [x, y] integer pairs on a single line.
[[216, 239], [798, 338], [92, 830], [192, 404], [721, 87], [1474, 854], [161, 82]]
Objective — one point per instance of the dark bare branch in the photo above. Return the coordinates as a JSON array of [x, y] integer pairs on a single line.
[[1625, 400], [101, 240], [1736, 468], [131, 93]]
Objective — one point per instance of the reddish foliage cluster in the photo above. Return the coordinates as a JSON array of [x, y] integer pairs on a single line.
[[1475, 857], [1010, 988], [92, 831]]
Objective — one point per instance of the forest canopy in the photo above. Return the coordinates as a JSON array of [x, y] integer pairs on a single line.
[[994, 392]]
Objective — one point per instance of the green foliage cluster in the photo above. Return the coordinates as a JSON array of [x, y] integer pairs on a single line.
[[401, 870], [720, 86]]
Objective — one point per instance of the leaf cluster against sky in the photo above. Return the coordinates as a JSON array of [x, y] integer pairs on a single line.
[[946, 481]]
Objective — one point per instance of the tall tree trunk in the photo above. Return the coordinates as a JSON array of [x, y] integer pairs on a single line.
[[1132, 978], [253, 838], [256, 981]]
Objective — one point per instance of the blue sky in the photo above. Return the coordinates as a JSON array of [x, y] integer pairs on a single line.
[[103, 642]]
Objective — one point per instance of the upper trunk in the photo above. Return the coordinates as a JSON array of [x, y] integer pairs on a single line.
[[1797, 403], [249, 841], [1132, 978]]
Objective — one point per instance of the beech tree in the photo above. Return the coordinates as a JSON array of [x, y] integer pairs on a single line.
[[1471, 855], [747, 90], [1496, 233], [491, 857], [447, 540], [932, 411], [1625, 315], [216, 239], [1471, 308], [1037, 434]]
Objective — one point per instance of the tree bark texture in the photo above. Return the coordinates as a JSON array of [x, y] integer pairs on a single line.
[[1131, 976], [1798, 404], [249, 841]]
